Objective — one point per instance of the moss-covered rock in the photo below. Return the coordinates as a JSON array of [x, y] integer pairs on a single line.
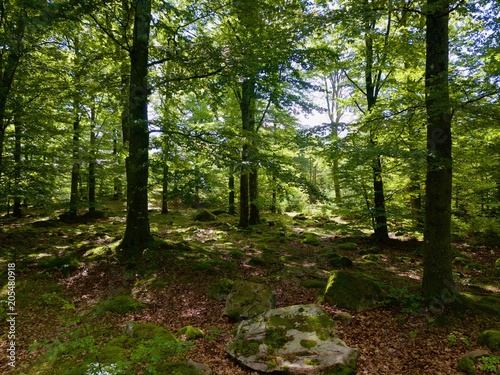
[[490, 338], [298, 339], [248, 299], [121, 304], [353, 291], [205, 215], [191, 333], [221, 289], [311, 239], [336, 260], [467, 366]]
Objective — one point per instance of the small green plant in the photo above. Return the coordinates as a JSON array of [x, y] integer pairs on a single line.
[[452, 339], [490, 364], [413, 334], [213, 333]]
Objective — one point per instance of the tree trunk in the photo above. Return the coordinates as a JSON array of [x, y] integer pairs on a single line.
[[75, 170], [16, 209], [231, 206], [415, 201], [372, 83], [247, 106], [137, 233], [92, 163], [437, 280], [253, 178]]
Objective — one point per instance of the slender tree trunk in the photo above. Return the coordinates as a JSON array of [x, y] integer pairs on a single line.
[[437, 280], [16, 209], [164, 189], [75, 169], [116, 180], [274, 197], [247, 106], [253, 179], [92, 163], [372, 83], [137, 233], [231, 206], [415, 201]]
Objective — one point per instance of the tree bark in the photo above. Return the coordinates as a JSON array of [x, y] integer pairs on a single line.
[[372, 84], [437, 279], [92, 163], [137, 233], [247, 107], [231, 206], [75, 169], [253, 187], [16, 209]]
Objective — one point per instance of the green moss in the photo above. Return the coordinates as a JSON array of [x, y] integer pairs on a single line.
[[308, 344], [66, 265], [121, 304], [318, 324], [276, 338], [311, 239], [490, 338], [347, 246], [467, 365], [176, 368], [220, 289], [191, 333], [371, 250], [244, 348], [372, 257], [337, 260], [313, 362]]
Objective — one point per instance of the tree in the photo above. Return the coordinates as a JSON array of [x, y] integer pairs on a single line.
[[137, 233], [437, 278]]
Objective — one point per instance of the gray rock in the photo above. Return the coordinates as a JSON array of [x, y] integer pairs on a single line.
[[299, 339], [478, 353], [248, 299], [200, 367]]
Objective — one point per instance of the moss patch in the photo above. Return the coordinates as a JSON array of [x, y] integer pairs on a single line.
[[121, 304], [490, 338], [308, 344]]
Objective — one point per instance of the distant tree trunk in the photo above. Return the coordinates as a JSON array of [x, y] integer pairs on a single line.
[[437, 279], [137, 233], [16, 209], [335, 115], [75, 170], [253, 179], [247, 106], [274, 197], [92, 163], [231, 206], [372, 84], [164, 189]]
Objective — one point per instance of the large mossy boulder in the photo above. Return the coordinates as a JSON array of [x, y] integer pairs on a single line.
[[353, 291], [299, 339], [490, 338], [248, 299], [205, 215]]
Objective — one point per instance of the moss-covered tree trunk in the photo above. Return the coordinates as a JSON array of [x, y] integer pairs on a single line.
[[137, 233], [437, 278]]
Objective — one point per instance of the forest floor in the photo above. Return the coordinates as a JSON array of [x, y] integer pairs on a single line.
[[65, 270]]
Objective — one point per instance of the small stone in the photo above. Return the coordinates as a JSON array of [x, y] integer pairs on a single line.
[[200, 367], [129, 329], [474, 354], [343, 317]]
